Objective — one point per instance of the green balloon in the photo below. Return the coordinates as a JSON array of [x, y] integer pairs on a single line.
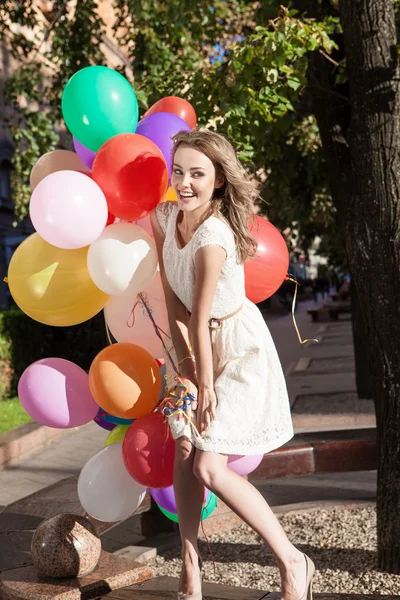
[[116, 435], [98, 103], [170, 515], [206, 511]]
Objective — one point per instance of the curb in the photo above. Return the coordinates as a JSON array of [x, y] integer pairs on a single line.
[[23, 441]]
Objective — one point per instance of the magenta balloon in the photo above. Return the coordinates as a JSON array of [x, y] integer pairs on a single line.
[[85, 154], [55, 392], [165, 497], [159, 128], [243, 465]]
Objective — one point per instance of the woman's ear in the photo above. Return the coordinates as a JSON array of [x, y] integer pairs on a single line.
[[219, 181]]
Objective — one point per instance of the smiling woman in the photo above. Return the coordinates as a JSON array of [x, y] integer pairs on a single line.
[[227, 361]]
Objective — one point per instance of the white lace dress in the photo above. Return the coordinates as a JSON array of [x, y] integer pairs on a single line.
[[253, 412]]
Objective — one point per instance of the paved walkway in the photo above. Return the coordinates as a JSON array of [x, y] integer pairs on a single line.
[[67, 455]]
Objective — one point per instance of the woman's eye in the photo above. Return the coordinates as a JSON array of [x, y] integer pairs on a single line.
[[198, 174], [177, 172]]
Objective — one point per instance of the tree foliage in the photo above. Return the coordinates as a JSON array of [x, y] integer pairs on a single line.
[[243, 66], [276, 82]]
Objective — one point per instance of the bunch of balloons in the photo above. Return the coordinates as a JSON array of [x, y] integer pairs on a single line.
[[93, 249]]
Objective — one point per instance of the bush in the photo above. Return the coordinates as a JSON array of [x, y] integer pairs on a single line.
[[23, 341]]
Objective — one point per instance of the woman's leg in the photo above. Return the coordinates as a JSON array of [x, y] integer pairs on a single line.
[[247, 502], [189, 494]]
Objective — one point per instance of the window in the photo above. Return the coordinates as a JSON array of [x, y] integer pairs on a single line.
[[6, 153], [5, 185]]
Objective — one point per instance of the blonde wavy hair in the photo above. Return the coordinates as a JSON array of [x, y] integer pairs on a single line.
[[234, 200]]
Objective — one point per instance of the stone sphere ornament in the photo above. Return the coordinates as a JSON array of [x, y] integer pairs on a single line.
[[65, 545]]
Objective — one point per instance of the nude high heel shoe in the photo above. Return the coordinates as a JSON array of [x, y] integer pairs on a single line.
[[197, 595], [310, 569]]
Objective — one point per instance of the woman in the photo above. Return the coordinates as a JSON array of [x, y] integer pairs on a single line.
[[234, 371]]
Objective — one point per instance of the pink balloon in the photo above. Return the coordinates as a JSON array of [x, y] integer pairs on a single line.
[[68, 210], [243, 465], [136, 327], [146, 225], [55, 392]]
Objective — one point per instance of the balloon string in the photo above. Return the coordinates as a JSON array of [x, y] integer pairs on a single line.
[[108, 333], [158, 330], [132, 315], [178, 400], [290, 278]]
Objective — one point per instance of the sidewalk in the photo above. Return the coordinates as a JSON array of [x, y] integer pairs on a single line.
[[66, 456]]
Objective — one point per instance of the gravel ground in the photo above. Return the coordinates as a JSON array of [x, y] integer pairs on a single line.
[[340, 541]]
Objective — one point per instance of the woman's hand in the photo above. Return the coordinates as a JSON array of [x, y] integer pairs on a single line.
[[206, 405], [191, 385]]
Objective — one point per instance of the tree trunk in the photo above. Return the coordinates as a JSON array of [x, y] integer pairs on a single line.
[[332, 111], [373, 234], [363, 379]]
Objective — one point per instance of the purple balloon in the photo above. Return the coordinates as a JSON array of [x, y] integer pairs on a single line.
[[165, 497], [159, 128], [104, 424], [243, 465], [55, 392], [86, 155]]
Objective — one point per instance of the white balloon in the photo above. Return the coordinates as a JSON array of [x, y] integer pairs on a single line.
[[123, 257], [106, 490], [136, 327]]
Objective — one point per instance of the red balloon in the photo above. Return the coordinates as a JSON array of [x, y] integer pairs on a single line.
[[178, 106], [110, 219], [149, 451], [133, 175], [266, 271]]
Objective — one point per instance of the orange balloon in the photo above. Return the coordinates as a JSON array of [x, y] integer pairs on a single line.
[[177, 106], [125, 381], [170, 195]]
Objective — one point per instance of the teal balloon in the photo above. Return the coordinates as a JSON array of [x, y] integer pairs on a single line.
[[98, 103], [206, 511]]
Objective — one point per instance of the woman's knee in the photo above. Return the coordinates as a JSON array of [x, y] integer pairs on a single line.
[[206, 471], [184, 454]]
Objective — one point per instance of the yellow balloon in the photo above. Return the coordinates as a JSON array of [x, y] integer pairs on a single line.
[[170, 195], [53, 286], [116, 435]]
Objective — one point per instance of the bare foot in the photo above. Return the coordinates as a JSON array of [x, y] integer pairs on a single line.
[[190, 579], [294, 578]]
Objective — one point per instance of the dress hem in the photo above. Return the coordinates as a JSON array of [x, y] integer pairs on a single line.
[[241, 450]]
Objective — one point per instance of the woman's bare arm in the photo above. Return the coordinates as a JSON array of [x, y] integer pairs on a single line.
[[177, 314], [208, 264]]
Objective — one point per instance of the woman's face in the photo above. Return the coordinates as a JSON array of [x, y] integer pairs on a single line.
[[193, 179]]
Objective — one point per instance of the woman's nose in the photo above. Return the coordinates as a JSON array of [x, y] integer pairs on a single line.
[[185, 180]]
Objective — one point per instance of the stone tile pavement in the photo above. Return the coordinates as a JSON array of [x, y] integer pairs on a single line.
[[65, 457]]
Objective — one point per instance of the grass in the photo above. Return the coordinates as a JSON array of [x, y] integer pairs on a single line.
[[12, 415]]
